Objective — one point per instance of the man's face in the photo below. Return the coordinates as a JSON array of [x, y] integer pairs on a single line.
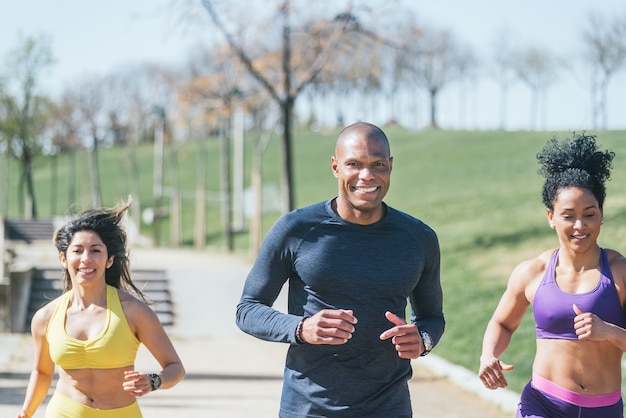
[[362, 166]]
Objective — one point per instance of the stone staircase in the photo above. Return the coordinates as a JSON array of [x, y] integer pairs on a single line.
[[47, 284], [29, 230]]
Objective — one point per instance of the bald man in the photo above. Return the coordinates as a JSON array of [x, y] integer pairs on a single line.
[[351, 264]]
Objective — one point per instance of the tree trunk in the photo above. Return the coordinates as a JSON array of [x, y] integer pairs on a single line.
[[225, 186], [71, 178], [6, 187], [287, 110], [256, 230], [30, 188], [604, 88], [287, 178], [96, 197], [433, 108], [54, 181]]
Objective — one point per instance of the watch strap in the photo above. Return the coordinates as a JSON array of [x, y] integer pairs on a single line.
[[428, 343], [155, 381]]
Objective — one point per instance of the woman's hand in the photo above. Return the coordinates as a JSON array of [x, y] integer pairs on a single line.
[[137, 384], [589, 327], [491, 372]]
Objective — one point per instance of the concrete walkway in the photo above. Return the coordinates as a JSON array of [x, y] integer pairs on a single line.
[[232, 375]]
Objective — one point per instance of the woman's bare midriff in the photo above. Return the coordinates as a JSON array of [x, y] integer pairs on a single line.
[[585, 367], [96, 388]]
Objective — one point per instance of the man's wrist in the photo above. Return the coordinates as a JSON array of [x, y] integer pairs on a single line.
[[299, 339], [427, 341]]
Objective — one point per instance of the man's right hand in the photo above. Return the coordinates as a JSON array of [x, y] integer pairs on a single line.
[[329, 326]]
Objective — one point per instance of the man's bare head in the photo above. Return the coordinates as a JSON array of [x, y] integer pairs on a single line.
[[362, 166], [362, 130]]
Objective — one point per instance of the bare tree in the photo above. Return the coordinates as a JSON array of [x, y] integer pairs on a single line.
[[66, 140], [117, 107], [370, 61], [122, 126], [162, 84], [215, 86], [358, 67], [537, 68], [129, 120], [504, 71], [437, 59], [468, 75], [288, 74], [25, 111], [605, 48], [88, 96]]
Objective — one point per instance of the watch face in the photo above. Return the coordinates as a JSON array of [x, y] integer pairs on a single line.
[[428, 342], [156, 381]]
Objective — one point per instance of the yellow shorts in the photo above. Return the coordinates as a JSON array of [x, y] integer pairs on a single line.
[[61, 406]]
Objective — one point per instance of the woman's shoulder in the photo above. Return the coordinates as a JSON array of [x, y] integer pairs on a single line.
[[532, 269], [537, 263], [614, 256], [43, 315], [133, 306], [127, 299], [139, 315], [617, 262]]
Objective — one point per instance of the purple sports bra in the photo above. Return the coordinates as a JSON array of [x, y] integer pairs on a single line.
[[554, 315]]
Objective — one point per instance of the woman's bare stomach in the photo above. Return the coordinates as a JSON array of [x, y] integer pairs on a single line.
[[96, 388], [585, 367]]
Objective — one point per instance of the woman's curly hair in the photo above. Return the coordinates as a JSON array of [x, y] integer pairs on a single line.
[[574, 162], [107, 223]]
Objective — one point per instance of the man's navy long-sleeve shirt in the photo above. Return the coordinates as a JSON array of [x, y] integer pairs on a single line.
[[334, 264]]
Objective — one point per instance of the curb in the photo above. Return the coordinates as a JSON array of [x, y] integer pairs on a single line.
[[506, 399]]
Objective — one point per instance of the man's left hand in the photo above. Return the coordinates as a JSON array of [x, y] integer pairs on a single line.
[[405, 337]]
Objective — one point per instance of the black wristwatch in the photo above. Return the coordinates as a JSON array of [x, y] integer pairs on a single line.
[[155, 381], [428, 343]]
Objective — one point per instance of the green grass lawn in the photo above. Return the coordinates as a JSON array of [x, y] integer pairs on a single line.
[[480, 191]]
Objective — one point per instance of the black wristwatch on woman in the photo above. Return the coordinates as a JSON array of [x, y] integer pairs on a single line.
[[155, 381]]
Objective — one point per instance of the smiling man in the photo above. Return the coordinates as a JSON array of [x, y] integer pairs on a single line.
[[362, 165], [351, 264]]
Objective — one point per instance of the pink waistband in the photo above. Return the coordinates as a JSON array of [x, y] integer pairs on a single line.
[[586, 401]]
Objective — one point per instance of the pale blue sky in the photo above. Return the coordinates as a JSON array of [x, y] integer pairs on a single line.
[[95, 37]]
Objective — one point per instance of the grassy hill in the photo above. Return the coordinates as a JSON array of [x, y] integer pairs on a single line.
[[479, 190]]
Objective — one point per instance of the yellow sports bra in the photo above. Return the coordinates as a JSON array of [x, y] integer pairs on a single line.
[[116, 346]]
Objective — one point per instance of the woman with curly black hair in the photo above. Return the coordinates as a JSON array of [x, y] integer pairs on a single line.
[[91, 333], [578, 294]]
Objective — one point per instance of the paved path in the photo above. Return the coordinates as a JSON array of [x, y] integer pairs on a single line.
[[232, 375]]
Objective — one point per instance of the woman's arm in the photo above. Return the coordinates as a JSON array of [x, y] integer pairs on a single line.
[[151, 333], [505, 320], [43, 368]]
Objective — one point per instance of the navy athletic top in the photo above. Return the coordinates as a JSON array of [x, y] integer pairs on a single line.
[[554, 315], [330, 263]]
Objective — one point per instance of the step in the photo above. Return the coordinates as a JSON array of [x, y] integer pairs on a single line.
[[29, 230]]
